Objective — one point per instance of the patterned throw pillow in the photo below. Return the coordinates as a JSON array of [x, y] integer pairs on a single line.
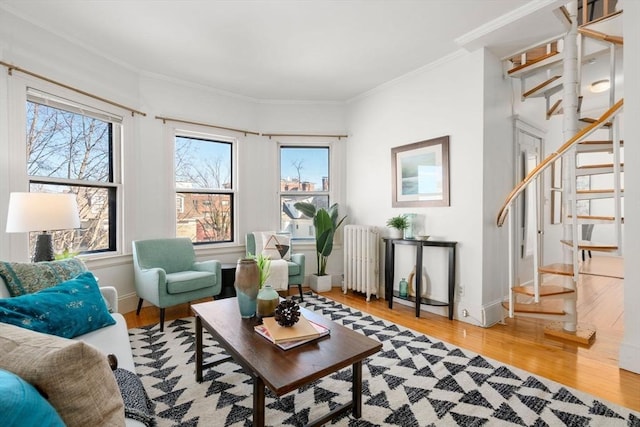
[[29, 277], [276, 246], [67, 310]]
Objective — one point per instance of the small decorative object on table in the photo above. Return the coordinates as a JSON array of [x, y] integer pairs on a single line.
[[404, 286], [287, 313], [267, 301]]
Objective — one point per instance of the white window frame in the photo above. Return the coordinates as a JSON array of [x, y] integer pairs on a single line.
[[19, 87], [334, 176], [203, 133]]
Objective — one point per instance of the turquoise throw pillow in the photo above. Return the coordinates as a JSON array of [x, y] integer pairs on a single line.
[[72, 308], [22, 405], [28, 277]]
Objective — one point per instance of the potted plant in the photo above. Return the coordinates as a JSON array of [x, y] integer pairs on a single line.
[[264, 267], [397, 225], [325, 223]]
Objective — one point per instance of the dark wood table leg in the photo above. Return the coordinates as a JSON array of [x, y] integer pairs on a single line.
[[356, 388], [452, 279], [418, 278], [388, 272], [198, 349], [258, 402]]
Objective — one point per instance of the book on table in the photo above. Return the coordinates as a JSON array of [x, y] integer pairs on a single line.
[[291, 338]]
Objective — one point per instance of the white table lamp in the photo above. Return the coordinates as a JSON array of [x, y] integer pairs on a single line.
[[42, 212]]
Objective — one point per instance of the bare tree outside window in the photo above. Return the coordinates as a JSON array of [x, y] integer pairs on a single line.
[[204, 184], [71, 152]]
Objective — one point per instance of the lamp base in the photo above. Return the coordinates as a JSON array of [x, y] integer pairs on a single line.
[[44, 248]]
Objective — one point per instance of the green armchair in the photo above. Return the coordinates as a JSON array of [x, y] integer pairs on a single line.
[[167, 273], [296, 263]]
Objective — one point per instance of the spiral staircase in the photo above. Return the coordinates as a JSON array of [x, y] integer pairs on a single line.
[[591, 161]]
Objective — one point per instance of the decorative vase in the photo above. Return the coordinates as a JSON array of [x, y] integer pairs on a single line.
[[247, 285], [409, 232], [268, 300], [404, 288]]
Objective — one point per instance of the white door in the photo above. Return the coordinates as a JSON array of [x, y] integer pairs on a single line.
[[528, 213]]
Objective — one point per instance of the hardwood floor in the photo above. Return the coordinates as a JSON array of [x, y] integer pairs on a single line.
[[519, 342]]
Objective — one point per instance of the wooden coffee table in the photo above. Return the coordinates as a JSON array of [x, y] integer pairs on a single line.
[[283, 371]]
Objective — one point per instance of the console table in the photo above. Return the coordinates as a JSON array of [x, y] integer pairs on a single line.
[[389, 266]]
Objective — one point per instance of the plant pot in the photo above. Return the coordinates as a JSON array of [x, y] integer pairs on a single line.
[[395, 233], [320, 283]]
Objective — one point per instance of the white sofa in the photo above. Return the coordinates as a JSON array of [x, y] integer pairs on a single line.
[[112, 339]]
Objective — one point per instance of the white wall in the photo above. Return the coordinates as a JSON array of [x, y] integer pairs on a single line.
[[630, 348], [445, 99], [497, 182]]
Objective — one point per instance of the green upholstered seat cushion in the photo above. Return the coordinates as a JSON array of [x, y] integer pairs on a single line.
[[187, 281], [69, 309], [172, 255], [22, 405], [28, 277]]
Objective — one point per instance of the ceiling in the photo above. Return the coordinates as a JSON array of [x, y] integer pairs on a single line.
[[311, 50]]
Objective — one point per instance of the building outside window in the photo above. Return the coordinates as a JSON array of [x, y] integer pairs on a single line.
[[304, 177], [204, 183], [73, 148]]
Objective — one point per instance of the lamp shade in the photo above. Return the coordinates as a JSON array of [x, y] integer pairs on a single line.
[[42, 212]]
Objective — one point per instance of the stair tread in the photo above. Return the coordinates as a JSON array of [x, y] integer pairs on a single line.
[[557, 268], [597, 146], [543, 88], [554, 307], [598, 191], [598, 166], [551, 57], [586, 218], [545, 290], [587, 245], [592, 120]]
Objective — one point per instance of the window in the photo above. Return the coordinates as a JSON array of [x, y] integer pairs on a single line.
[[204, 182], [304, 177], [71, 148]]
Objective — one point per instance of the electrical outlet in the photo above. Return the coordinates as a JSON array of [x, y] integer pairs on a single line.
[[460, 290], [465, 313]]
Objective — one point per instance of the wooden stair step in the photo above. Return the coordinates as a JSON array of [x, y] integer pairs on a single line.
[[546, 290], [554, 109], [546, 88], [601, 36], [605, 146], [534, 65], [597, 169], [557, 268], [598, 193], [587, 245], [595, 219], [550, 307], [589, 120]]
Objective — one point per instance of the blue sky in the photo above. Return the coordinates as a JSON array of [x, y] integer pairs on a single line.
[[315, 163]]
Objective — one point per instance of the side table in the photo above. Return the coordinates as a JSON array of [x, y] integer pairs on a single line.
[[419, 244], [228, 280]]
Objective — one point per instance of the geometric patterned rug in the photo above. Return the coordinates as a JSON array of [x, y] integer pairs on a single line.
[[415, 380]]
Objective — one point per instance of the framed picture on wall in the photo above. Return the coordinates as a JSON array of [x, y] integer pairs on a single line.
[[420, 173]]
